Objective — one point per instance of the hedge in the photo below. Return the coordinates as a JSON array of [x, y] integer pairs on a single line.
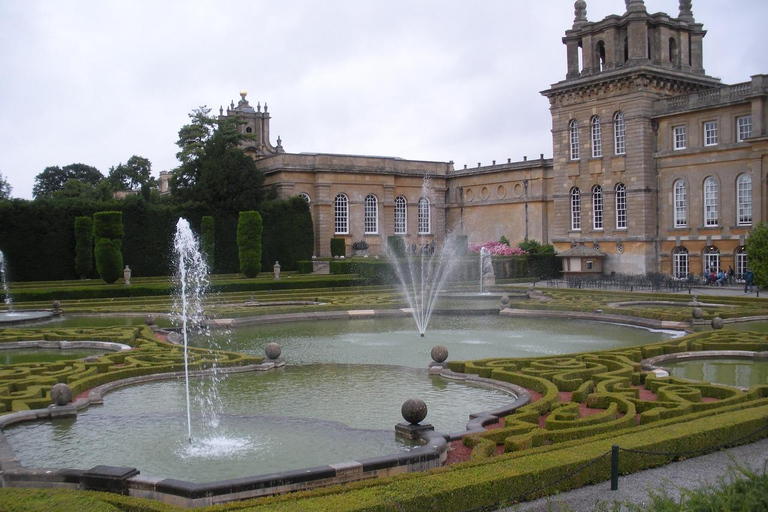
[[108, 234], [288, 233], [249, 230], [338, 247], [84, 247], [208, 240]]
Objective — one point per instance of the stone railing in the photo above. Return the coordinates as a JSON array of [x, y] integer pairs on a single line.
[[720, 96]]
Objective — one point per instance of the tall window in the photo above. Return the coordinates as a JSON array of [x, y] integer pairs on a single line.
[[401, 215], [741, 262], [710, 133], [680, 263], [341, 215], [710, 202], [744, 199], [681, 204], [371, 215], [621, 206], [573, 137], [597, 137], [424, 220], [711, 259], [575, 209], [680, 138], [743, 128], [597, 207], [619, 134]]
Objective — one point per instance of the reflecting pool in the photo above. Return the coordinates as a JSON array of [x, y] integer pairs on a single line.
[[731, 372]]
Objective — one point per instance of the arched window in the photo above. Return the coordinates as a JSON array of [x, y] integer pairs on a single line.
[[711, 259], [600, 55], [674, 58], [710, 201], [371, 215], [424, 216], [744, 199], [341, 215], [681, 204], [573, 137], [741, 262], [305, 197], [680, 269], [401, 215], [619, 134], [575, 209], [597, 137], [597, 207], [621, 206]]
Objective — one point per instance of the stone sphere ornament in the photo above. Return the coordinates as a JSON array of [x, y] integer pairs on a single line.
[[439, 353], [61, 394], [717, 323], [56, 305], [273, 350], [414, 410], [505, 300], [149, 319], [697, 313]]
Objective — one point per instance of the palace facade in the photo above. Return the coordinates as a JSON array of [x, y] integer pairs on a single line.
[[657, 166]]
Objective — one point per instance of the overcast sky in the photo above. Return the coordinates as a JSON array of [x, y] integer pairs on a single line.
[[98, 81]]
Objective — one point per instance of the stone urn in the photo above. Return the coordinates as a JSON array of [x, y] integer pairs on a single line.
[[276, 269], [127, 275]]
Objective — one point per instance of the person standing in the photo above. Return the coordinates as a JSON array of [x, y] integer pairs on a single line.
[[748, 279]]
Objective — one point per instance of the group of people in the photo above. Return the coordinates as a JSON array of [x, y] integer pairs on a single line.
[[428, 248], [721, 278]]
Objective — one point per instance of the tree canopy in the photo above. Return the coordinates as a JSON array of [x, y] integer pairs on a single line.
[[214, 170], [757, 254], [53, 178], [135, 173], [5, 188]]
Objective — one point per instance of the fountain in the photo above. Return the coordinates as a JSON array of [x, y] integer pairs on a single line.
[[4, 278], [422, 276], [486, 269]]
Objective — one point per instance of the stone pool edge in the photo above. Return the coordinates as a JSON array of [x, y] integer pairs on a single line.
[[129, 481]]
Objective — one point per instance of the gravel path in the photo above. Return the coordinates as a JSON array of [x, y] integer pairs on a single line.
[[687, 474]]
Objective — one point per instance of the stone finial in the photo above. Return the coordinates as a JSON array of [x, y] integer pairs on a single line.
[[232, 105], [265, 106], [279, 142], [414, 410], [686, 14], [258, 106], [221, 110], [579, 13], [635, 5]]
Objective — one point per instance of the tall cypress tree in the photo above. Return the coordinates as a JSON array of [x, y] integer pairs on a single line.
[[249, 230], [108, 233]]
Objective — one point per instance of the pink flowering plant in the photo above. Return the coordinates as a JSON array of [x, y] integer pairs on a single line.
[[498, 249]]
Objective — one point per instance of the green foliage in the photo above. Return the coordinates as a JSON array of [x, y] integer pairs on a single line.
[[208, 240], [757, 254], [109, 259], [5, 188], [504, 240], [135, 173], [304, 267], [54, 178], [83, 246], [108, 225], [214, 170], [535, 247], [249, 231], [338, 247], [108, 234], [396, 246], [288, 233]]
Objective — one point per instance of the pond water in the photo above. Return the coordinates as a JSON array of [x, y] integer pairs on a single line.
[[277, 420], [731, 372]]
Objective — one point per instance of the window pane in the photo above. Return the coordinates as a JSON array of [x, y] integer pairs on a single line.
[[575, 209], [574, 139], [597, 207], [424, 220], [371, 214], [341, 215], [744, 199], [401, 213], [681, 204], [621, 206], [597, 135], [710, 202], [619, 137]]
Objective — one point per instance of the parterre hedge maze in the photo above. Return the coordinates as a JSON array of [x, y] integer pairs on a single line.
[[583, 395], [28, 385]]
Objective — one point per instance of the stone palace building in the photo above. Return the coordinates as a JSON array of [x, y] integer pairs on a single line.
[[657, 166]]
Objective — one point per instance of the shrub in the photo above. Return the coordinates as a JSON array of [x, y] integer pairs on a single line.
[[362, 245], [109, 260], [207, 240], [338, 247], [305, 267], [396, 246], [288, 233], [108, 234], [249, 230], [83, 247]]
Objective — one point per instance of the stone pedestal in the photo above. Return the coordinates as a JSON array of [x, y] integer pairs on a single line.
[[412, 431]]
